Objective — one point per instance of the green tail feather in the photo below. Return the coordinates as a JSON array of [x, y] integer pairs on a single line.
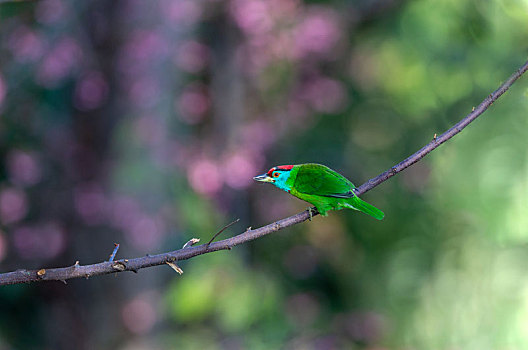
[[359, 204]]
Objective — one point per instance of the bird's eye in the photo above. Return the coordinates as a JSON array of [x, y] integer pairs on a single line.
[[275, 174]]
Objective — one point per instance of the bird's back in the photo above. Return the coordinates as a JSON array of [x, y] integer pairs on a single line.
[[320, 180]]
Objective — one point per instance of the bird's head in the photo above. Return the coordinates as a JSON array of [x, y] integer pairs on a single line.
[[277, 176]]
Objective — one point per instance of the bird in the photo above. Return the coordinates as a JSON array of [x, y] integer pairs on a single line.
[[319, 185]]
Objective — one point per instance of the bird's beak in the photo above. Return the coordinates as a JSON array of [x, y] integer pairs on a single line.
[[263, 178]]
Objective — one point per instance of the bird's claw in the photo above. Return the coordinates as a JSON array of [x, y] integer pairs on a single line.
[[310, 209]]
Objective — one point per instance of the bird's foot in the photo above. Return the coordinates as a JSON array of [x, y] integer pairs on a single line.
[[310, 210]]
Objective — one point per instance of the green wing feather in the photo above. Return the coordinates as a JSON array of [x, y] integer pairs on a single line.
[[320, 180]]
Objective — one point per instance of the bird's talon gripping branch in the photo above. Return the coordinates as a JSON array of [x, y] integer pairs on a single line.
[[310, 213]]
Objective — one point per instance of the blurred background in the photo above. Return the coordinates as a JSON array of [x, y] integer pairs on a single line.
[[143, 122]]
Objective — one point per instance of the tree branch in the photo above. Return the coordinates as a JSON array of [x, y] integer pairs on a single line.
[[437, 141], [107, 267]]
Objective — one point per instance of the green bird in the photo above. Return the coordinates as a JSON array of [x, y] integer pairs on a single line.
[[319, 185]]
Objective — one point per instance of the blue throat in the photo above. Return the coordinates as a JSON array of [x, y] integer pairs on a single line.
[[280, 181]]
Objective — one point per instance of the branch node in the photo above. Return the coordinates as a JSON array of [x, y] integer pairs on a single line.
[[119, 266], [41, 273]]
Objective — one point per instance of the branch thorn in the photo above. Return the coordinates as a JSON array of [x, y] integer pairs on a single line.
[[116, 248], [191, 242], [175, 267]]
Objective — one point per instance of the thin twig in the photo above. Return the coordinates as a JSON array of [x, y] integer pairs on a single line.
[[116, 248], [222, 230], [76, 271], [458, 127]]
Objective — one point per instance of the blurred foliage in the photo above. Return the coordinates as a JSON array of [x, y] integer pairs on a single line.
[[142, 122]]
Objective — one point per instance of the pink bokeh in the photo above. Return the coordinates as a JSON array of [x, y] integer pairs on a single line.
[[144, 91], [50, 11], [139, 314], [240, 170], [141, 50], [25, 44], [39, 241], [318, 33], [3, 245], [145, 232], [59, 62], [91, 203], [3, 90], [181, 12], [323, 94], [124, 209], [258, 136], [23, 168], [279, 31], [91, 91], [13, 205], [205, 177], [193, 103], [252, 16], [192, 56]]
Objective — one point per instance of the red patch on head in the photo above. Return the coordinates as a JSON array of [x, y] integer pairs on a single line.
[[285, 167], [280, 167]]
